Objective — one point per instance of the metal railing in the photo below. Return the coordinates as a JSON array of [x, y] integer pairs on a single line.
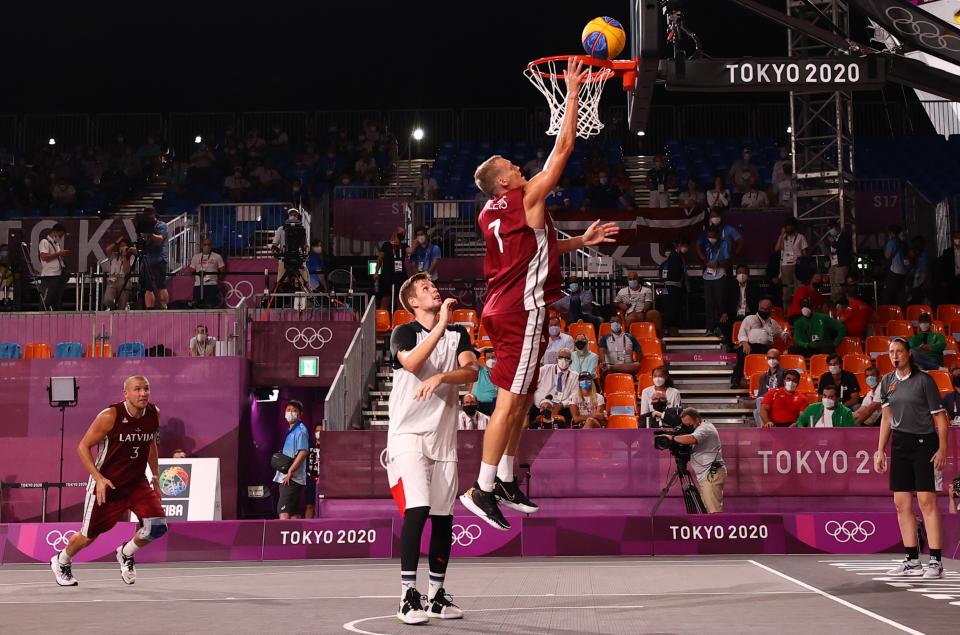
[[241, 229], [344, 401], [342, 192], [181, 242]]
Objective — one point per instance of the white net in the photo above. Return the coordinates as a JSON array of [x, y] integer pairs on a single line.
[[547, 77]]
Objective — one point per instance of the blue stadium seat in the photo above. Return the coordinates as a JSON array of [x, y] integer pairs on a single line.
[[131, 349], [68, 350], [10, 350]]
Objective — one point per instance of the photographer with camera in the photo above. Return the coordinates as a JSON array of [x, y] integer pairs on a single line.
[[116, 293], [289, 246], [53, 272], [706, 457], [152, 235]]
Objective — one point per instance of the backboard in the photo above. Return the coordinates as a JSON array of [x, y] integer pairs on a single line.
[[645, 30]]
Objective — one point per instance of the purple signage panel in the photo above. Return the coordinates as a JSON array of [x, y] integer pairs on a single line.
[[587, 536], [369, 219], [718, 534], [35, 542], [295, 539], [472, 538], [847, 533], [279, 346]]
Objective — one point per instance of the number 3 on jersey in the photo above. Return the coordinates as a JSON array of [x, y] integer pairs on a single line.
[[495, 226]]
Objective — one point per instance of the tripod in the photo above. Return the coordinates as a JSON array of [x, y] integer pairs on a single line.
[[688, 487], [292, 279]]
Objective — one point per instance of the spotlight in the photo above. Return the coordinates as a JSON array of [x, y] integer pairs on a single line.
[[418, 134], [197, 139], [789, 129], [52, 141], [641, 133]]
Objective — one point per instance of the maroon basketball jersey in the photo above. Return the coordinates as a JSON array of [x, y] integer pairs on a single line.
[[122, 455], [522, 265]]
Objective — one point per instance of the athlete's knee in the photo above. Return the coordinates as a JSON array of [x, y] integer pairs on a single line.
[[928, 504], [153, 528]]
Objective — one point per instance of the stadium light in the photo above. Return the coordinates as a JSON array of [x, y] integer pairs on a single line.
[[197, 139], [641, 133], [52, 141], [418, 134], [789, 129]]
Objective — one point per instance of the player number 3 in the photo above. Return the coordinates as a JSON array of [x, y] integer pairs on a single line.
[[136, 452], [495, 226]]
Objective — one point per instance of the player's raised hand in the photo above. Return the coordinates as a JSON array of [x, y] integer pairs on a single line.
[[445, 310], [576, 71], [600, 233], [102, 485]]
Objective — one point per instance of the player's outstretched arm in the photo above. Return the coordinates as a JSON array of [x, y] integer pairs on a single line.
[[594, 235], [96, 433]]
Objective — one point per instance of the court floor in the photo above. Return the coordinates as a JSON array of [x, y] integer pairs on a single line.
[[535, 596]]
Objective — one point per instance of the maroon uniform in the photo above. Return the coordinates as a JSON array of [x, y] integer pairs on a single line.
[[122, 459], [522, 271]]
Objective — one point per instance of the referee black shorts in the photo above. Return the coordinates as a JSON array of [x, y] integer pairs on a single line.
[[911, 464]]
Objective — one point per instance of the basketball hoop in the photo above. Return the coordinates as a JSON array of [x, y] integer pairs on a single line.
[[547, 75]]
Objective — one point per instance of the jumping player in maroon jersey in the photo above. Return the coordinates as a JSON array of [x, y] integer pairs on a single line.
[[125, 434], [522, 271]]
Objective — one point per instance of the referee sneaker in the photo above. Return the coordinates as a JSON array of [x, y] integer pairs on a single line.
[[912, 410]]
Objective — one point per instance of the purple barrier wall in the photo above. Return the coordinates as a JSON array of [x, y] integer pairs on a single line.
[[202, 404], [278, 347]]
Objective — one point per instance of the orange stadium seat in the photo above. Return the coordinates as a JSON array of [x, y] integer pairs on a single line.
[[402, 316], [938, 327], [947, 313], [754, 363], [856, 363], [100, 349], [793, 361], [899, 328], [643, 330], [585, 328], [735, 333], [651, 347], [944, 383], [755, 384], [818, 366], [806, 386], [862, 380], [604, 329], [954, 328], [383, 321], [951, 350], [884, 365], [914, 311], [620, 400], [615, 383], [849, 345], [644, 380], [37, 350], [465, 317], [887, 312], [622, 422], [877, 345], [649, 362]]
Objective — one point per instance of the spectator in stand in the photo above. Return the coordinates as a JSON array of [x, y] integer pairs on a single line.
[[556, 340], [7, 279], [895, 252], [316, 267], [390, 272], [815, 333], [424, 255], [828, 413], [718, 197], [758, 332], [716, 263], [577, 305], [558, 383], [792, 245], [661, 395], [622, 180], [427, 189], [927, 346], [740, 303], [868, 414], [754, 198], [840, 251], [847, 382], [559, 198], [605, 195], [783, 164], [620, 352], [781, 407], [692, 198], [635, 301], [116, 295], [660, 181], [535, 165], [483, 389], [470, 416], [548, 416], [948, 270], [63, 193], [154, 263], [202, 157], [743, 172], [728, 234], [782, 191], [206, 287], [673, 272], [807, 291], [770, 379], [201, 344], [365, 167], [584, 360], [587, 409], [178, 454], [854, 313], [919, 273], [267, 178], [53, 272], [236, 187], [952, 401]]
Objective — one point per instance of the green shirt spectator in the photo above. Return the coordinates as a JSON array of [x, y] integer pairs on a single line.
[[813, 332], [841, 417], [927, 346]]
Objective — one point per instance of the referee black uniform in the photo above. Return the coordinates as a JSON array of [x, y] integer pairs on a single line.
[[913, 402]]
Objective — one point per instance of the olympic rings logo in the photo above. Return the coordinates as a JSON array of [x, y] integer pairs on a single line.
[[384, 458], [59, 540], [927, 32], [466, 536], [243, 290], [314, 338], [850, 530]]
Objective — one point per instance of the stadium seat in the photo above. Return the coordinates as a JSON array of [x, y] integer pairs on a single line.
[[622, 422], [797, 362], [856, 363], [951, 350], [955, 328], [806, 386], [584, 328], [818, 366], [914, 311], [938, 327], [101, 349], [947, 313], [877, 345], [776, 312], [884, 365], [37, 350], [594, 348], [131, 349], [862, 380], [754, 363], [10, 350], [649, 362], [944, 383], [383, 321], [899, 328], [621, 401], [400, 316], [604, 329], [643, 330], [465, 316], [887, 312], [849, 345], [644, 380], [755, 384], [68, 350], [651, 347], [735, 333], [615, 383]]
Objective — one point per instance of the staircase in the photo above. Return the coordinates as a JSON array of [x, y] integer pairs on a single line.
[[152, 191], [637, 168], [405, 179], [703, 378]]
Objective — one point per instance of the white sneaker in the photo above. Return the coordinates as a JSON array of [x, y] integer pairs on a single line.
[[907, 569], [63, 573], [442, 607], [411, 609], [128, 568], [933, 571]]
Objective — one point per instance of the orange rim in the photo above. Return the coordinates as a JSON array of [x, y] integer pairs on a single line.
[[615, 67]]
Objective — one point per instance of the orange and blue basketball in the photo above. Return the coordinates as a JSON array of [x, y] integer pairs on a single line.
[[603, 38]]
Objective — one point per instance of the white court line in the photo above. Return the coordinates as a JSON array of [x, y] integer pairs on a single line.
[[849, 605], [393, 597]]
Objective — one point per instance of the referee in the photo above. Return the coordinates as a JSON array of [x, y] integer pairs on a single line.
[[913, 411]]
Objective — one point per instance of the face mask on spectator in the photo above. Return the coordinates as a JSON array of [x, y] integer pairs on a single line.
[[201, 337], [924, 326], [603, 180], [742, 278], [834, 369], [790, 385], [714, 220], [563, 363], [490, 363], [806, 311], [574, 287], [291, 417], [872, 381], [763, 315], [659, 406], [585, 384], [633, 284], [469, 410], [316, 435], [828, 403], [773, 362], [834, 232], [659, 381], [554, 331], [581, 344], [615, 327], [713, 241], [546, 413]]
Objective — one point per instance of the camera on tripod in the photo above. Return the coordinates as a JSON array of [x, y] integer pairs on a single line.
[[295, 243], [143, 223], [672, 425]]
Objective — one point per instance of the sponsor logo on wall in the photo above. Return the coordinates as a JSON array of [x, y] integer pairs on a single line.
[[175, 491]]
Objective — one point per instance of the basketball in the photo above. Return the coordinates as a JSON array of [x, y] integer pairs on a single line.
[[603, 38]]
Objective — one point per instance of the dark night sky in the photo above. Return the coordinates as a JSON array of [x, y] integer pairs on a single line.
[[213, 54]]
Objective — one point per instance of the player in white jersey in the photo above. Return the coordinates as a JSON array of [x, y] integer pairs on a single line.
[[431, 359]]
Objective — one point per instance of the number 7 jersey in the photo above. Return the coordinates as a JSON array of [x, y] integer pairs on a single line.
[[522, 264]]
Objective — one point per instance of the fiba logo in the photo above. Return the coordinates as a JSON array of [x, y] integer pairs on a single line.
[[850, 531], [59, 539], [466, 536], [174, 481]]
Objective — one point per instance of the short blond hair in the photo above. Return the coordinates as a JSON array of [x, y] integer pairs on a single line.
[[407, 289], [486, 175]]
